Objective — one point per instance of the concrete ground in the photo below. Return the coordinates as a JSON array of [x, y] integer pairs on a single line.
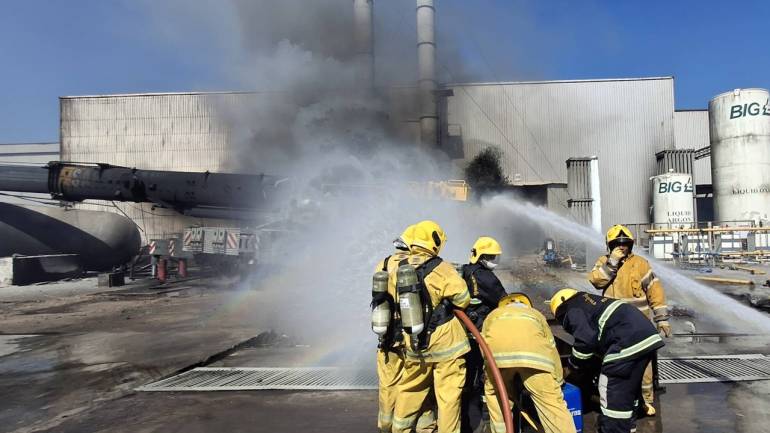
[[71, 356]]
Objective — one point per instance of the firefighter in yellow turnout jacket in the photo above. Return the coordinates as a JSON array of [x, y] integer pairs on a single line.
[[390, 353], [434, 359], [522, 344], [623, 275]]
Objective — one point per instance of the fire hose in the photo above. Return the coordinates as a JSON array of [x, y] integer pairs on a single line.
[[502, 394]]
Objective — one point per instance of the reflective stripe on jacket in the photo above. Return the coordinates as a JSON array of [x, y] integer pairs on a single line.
[[608, 328], [519, 337], [448, 341], [634, 282]]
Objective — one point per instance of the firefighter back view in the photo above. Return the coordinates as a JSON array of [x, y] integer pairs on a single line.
[[523, 346], [386, 323], [621, 337], [486, 290], [435, 340], [622, 275]]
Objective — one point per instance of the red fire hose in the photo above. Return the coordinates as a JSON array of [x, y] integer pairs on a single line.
[[502, 394]]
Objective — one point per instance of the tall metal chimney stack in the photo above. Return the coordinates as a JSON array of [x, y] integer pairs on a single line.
[[364, 40], [426, 58]]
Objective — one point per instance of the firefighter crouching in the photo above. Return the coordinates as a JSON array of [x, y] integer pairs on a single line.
[[386, 322], [623, 339], [628, 277], [486, 290], [428, 289], [522, 344]]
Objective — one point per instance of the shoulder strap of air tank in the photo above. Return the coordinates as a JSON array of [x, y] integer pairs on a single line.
[[385, 263], [428, 267]]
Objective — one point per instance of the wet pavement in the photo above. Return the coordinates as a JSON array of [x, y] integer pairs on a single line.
[[70, 360]]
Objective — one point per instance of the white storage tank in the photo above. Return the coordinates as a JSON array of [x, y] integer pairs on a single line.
[[672, 201], [739, 122]]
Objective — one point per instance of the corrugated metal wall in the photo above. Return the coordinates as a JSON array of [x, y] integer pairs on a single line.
[[539, 125], [181, 132], [677, 160], [691, 131], [23, 153]]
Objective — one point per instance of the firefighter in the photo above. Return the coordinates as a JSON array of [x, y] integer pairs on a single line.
[[434, 358], [390, 352], [623, 275], [522, 345], [622, 338], [486, 291]]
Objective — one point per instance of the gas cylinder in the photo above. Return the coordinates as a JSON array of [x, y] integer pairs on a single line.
[[409, 302], [381, 310]]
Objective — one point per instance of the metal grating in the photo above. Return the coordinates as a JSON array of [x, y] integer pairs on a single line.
[[694, 369], [721, 368], [266, 378]]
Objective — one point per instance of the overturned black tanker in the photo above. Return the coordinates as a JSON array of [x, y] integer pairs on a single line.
[[104, 239]]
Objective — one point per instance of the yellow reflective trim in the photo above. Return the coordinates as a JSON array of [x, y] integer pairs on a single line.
[[440, 354], [581, 355], [633, 350], [461, 297], [526, 357], [403, 422], [617, 414], [606, 316]]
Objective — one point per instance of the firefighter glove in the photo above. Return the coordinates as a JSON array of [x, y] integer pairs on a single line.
[[664, 327], [615, 256]]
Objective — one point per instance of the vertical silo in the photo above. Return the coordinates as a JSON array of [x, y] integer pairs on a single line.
[[672, 201], [739, 122]]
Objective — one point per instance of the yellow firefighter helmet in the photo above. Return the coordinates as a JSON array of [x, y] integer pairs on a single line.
[[559, 298], [485, 245], [402, 242], [429, 236], [619, 234], [515, 297]]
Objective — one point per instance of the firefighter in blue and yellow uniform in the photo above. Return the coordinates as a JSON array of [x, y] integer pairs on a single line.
[[435, 360], [486, 291], [523, 346], [628, 277], [390, 353], [621, 337]]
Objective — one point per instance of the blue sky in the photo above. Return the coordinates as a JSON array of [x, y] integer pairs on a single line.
[[53, 48]]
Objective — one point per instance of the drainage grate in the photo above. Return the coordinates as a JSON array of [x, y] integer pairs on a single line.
[[694, 369], [722, 368], [256, 378]]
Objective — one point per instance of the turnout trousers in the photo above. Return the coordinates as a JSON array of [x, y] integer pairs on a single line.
[[619, 391], [546, 394], [473, 409], [445, 378], [390, 368]]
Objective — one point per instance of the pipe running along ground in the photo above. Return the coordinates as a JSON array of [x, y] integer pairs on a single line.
[[502, 394]]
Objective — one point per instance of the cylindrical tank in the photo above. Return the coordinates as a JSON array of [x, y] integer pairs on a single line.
[[739, 122], [672, 201], [101, 239]]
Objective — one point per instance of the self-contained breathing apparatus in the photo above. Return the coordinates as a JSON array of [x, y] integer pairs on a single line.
[[386, 321], [415, 304]]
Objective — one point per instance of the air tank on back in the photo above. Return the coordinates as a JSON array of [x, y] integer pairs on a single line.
[[672, 201], [739, 123]]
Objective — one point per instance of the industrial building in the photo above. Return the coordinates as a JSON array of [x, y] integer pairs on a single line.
[[537, 126]]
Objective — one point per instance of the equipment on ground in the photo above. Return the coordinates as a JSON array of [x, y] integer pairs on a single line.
[[550, 254]]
